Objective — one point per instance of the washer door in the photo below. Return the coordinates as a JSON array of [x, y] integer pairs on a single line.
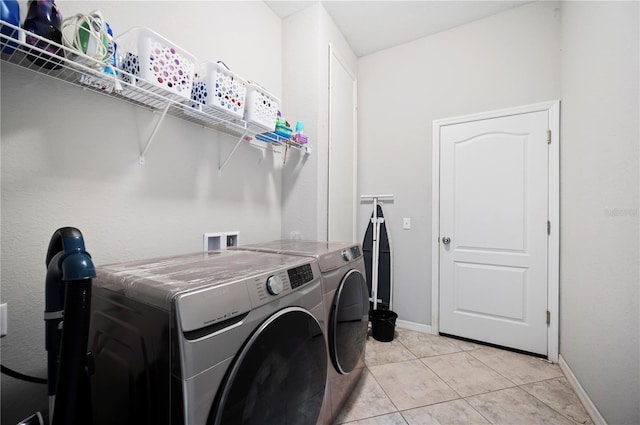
[[279, 376], [349, 322]]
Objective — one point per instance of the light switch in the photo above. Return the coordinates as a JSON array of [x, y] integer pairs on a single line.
[[406, 223]]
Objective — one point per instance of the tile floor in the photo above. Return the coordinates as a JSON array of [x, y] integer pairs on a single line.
[[420, 379]]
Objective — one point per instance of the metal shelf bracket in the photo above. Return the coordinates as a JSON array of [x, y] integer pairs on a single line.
[[153, 133], [224, 163]]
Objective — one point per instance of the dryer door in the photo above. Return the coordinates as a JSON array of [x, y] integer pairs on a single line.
[[349, 322], [279, 376]]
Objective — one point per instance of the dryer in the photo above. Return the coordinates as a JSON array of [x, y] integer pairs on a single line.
[[215, 338], [346, 302]]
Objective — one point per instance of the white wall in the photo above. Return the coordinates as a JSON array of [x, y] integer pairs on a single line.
[[70, 157], [599, 281], [306, 38], [505, 60]]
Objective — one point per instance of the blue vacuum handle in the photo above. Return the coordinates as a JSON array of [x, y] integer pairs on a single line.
[[66, 261], [73, 398]]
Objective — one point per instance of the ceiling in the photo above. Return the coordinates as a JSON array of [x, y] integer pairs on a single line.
[[370, 26]]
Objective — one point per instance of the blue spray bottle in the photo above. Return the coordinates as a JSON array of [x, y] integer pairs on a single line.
[[10, 11]]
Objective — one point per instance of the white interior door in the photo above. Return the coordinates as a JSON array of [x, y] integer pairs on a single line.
[[342, 151], [494, 195]]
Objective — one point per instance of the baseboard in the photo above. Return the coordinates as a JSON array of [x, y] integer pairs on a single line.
[[413, 326], [591, 408]]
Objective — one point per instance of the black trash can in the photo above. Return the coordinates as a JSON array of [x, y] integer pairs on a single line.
[[383, 324]]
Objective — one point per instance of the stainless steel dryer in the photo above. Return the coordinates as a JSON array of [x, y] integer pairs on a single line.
[[215, 338], [346, 302]]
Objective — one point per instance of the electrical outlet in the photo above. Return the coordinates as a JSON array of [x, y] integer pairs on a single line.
[[220, 240], [212, 241], [3, 319], [232, 238], [406, 223]]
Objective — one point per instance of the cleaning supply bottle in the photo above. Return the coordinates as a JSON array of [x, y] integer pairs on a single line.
[[111, 61], [44, 19], [10, 11], [299, 136]]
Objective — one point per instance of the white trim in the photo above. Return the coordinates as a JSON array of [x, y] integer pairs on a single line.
[[435, 229], [329, 143], [413, 326], [553, 249], [591, 408], [553, 274]]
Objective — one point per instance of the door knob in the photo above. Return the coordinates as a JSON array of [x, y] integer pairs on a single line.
[[446, 240]]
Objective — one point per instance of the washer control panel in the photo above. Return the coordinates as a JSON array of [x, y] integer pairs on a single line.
[[338, 258], [346, 255]]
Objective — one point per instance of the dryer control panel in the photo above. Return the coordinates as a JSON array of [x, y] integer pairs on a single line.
[[336, 259], [300, 275]]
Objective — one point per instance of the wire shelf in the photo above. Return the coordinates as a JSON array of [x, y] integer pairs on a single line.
[[46, 57]]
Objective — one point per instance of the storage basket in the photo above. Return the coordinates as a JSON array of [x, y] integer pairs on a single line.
[[261, 108], [214, 85], [155, 60]]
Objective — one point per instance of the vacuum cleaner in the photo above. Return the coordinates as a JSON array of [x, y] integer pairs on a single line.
[[67, 315]]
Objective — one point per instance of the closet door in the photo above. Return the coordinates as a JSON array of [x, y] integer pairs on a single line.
[[341, 217]]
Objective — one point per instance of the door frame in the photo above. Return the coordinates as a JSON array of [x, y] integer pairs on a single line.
[[334, 55], [553, 242]]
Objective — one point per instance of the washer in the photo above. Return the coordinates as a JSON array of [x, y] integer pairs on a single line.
[[346, 302], [215, 338]]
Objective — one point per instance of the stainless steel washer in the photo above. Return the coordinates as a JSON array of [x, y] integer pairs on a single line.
[[346, 302], [215, 338]]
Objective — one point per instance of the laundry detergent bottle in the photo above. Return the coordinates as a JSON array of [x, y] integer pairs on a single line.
[[44, 19], [10, 11]]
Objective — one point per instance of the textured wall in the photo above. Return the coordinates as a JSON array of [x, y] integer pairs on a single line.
[[599, 150], [506, 60]]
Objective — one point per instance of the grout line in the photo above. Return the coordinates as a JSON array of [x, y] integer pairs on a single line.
[[479, 413], [442, 379], [428, 368], [514, 385], [382, 388], [549, 406]]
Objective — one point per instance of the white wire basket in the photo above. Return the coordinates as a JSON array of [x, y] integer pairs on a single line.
[[147, 57], [261, 108], [216, 86]]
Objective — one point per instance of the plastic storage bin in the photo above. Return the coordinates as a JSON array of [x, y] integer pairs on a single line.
[[261, 108], [216, 86], [145, 54]]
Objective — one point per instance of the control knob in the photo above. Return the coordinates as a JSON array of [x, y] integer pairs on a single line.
[[346, 255], [274, 285]]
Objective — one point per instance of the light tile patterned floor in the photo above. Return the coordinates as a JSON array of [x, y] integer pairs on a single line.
[[420, 379]]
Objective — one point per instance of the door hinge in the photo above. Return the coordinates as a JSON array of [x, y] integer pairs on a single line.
[[548, 137], [548, 227], [548, 317]]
